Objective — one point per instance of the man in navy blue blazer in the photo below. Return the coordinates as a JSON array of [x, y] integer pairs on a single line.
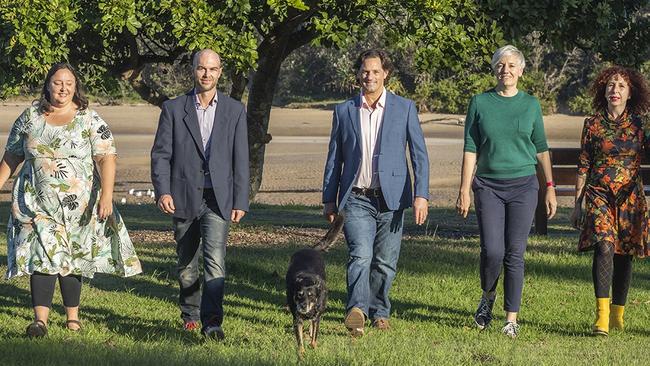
[[367, 179], [200, 173]]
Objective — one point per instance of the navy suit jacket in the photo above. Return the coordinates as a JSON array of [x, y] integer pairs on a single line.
[[178, 159], [400, 128]]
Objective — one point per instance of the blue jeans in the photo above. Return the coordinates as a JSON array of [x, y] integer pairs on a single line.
[[374, 235], [208, 231]]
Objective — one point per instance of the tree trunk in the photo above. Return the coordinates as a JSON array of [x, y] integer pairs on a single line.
[[239, 82], [145, 91], [260, 99], [272, 52]]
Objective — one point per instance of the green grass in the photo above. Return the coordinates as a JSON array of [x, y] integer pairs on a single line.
[[136, 321]]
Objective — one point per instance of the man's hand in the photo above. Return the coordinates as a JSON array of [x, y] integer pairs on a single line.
[[420, 210], [166, 204], [237, 215], [328, 211]]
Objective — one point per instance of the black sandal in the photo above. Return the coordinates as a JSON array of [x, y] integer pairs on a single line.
[[37, 329], [76, 322]]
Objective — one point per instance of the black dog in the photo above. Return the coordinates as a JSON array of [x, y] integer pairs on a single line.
[[307, 287]]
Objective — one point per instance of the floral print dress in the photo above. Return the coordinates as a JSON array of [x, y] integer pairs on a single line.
[[53, 227], [615, 203]]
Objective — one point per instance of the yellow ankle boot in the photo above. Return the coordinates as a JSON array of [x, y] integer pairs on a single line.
[[616, 316], [601, 326]]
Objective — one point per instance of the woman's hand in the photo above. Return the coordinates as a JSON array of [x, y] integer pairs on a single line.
[[105, 206], [551, 202], [462, 203], [576, 216]]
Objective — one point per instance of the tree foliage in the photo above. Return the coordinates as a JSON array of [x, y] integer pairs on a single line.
[[111, 39], [619, 30]]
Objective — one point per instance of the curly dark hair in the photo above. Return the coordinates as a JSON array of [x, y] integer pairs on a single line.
[[386, 63], [79, 97], [639, 102]]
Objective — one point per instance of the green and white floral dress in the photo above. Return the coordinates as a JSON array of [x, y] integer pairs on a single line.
[[53, 227]]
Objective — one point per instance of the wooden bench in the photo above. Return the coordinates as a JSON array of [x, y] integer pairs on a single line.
[[565, 165]]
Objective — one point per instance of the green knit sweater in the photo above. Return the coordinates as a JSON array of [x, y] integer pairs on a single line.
[[506, 133]]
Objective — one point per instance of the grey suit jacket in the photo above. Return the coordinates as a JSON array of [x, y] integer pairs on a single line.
[[178, 160]]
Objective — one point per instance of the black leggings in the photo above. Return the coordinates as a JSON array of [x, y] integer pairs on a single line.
[[611, 270], [42, 288]]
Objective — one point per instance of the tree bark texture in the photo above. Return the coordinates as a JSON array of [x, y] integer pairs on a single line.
[[239, 82], [272, 52], [260, 99]]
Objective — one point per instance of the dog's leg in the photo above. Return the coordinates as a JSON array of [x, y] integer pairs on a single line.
[[297, 330], [313, 331]]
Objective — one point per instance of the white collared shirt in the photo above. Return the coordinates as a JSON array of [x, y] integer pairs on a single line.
[[370, 121], [206, 120]]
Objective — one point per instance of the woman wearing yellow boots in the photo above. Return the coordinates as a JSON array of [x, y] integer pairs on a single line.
[[615, 220]]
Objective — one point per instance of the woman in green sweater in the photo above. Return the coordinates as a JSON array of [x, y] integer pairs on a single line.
[[504, 141]]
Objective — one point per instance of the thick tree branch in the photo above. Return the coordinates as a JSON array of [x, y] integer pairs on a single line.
[[299, 39], [239, 82]]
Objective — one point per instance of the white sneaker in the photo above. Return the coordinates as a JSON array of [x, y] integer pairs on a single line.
[[511, 329]]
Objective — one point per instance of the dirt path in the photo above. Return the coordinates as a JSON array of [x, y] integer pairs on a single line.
[[295, 157]]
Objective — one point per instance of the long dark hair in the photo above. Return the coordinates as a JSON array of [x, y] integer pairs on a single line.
[[79, 97], [639, 102]]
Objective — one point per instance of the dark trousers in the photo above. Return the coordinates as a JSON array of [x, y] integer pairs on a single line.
[[42, 289], [206, 234], [505, 210]]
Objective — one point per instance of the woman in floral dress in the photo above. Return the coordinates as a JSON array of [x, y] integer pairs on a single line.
[[615, 222], [62, 223]]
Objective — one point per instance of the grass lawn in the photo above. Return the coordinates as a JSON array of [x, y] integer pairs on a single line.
[[136, 320]]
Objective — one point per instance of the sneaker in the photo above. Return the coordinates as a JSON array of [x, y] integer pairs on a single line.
[[483, 315], [191, 325], [214, 331], [511, 329], [354, 321]]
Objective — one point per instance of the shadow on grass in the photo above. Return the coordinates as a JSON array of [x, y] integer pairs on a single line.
[[136, 217], [442, 222], [256, 274], [78, 351], [12, 296]]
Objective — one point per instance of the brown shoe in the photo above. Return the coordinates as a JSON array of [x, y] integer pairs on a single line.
[[381, 324], [354, 321]]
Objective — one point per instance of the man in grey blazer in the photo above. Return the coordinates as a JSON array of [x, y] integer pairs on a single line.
[[368, 180], [200, 173]]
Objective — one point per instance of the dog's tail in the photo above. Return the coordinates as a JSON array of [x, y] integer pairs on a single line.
[[326, 242]]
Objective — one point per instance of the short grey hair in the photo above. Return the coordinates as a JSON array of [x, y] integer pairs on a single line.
[[507, 50], [195, 59]]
